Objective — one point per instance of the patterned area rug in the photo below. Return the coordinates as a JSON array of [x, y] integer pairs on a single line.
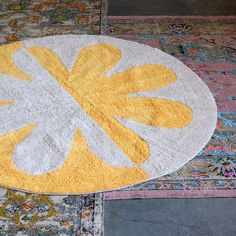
[[207, 46], [28, 214], [20, 19]]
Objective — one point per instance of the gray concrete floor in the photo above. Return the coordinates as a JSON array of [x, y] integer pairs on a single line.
[[171, 7], [170, 217]]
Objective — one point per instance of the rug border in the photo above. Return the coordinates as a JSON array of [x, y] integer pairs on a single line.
[[179, 194]]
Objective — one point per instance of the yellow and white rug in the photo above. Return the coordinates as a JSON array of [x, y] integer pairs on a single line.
[[92, 113]]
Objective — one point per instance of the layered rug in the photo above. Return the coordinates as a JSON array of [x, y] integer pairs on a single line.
[[207, 46]]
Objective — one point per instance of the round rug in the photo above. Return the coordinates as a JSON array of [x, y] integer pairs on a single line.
[[83, 114]]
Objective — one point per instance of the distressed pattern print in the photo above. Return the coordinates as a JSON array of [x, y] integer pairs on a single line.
[[207, 46], [21, 19], [32, 214]]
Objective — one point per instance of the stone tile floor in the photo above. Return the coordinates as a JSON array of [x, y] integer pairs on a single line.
[[170, 217], [171, 7]]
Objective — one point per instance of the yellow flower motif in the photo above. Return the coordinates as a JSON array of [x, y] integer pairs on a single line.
[[104, 98]]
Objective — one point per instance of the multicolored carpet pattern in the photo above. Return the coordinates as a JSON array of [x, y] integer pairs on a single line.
[[208, 46], [30, 214], [21, 19]]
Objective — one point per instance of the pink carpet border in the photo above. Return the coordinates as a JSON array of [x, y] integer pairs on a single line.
[[145, 194], [168, 17]]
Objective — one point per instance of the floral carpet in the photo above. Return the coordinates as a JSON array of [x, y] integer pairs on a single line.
[[207, 46], [20, 19], [30, 214]]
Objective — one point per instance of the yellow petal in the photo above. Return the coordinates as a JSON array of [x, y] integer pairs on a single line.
[[7, 65], [81, 167], [154, 111], [50, 61], [134, 146], [140, 78], [9, 140], [91, 64], [6, 103], [94, 61]]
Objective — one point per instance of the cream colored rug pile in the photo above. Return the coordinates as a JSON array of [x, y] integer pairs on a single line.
[[86, 113]]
